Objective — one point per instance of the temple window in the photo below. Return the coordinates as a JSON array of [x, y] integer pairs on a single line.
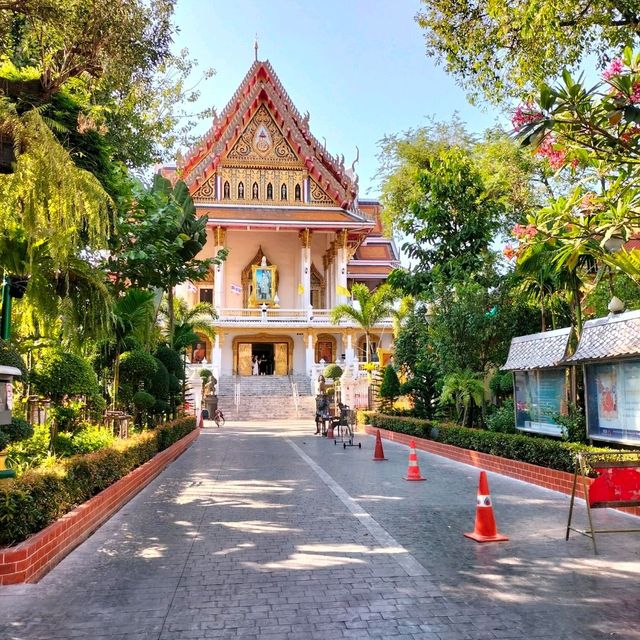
[[283, 192], [298, 195], [254, 191], [269, 191], [241, 191], [226, 190]]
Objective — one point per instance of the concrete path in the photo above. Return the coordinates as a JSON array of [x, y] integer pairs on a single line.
[[265, 531]]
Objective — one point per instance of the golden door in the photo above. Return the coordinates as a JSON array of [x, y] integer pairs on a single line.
[[282, 358], [244, 359]]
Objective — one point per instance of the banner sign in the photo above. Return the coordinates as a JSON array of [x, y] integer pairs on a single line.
[[613, 401], [539, 395]]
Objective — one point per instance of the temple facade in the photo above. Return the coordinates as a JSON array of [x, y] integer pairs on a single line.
[[297, 237]]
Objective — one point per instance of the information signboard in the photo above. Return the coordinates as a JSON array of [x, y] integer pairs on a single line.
[[539, 395], [613, 401]]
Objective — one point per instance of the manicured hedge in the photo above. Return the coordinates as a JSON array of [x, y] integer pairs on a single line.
[[40, 496], [553, 454]]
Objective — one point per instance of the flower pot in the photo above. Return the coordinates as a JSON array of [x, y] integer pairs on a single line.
[[5, 474]]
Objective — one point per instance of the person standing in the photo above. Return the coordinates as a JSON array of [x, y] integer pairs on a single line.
[[255, 369]]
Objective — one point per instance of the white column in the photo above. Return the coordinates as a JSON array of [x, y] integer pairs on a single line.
[[305, 268], [348, 351], [216, 357], [341, 274], [309, 355], [218, 284]]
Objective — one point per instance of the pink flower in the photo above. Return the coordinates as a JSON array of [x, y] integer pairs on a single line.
[[615, 68], [522, 233], [509, 252], [525, 114], [556, 157], [630, 133], [634, 98]]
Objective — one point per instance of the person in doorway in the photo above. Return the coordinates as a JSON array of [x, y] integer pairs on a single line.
[[199, 353], [262, 366], [255, 367]]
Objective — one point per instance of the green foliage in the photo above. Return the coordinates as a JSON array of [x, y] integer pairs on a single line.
[[497, 50], [371, 308], [390, 387], [464, 389], [60, 374], [38, 497], [31, 452], [9, 357], [501, 383], [159, 382], [554, 454], [66, 418], [502, 420], [573, 423], [332, 372], [143, 401], [170, 359], [136, 367], [205, 374], [18, 429]]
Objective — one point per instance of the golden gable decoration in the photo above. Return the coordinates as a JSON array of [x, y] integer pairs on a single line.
[[207, 191], [318, 195], [262, 140]]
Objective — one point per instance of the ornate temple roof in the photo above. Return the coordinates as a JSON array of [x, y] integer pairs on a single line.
[[259, 87], [538, 350], [616, 336]]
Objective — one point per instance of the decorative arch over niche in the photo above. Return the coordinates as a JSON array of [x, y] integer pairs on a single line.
[[326, 348], [374, 344], [317, 289], [247, 278]]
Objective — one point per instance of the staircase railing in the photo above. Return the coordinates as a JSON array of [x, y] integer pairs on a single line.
[[296, 398], [236, 397]]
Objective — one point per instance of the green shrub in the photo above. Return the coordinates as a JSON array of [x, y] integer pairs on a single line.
[[137, 367], [40, 496], [545, 452], [574, 428], [503, 419], [159, 382], [30, 452], [501, 383], [66, 418], [9, 357], [143, 401], [4, 440], [61, 374], [332, 371], [170, 359], [92, 438], [18, 429], [390, 387]]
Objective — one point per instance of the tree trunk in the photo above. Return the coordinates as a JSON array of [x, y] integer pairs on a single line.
[[171, 314], [367, 346], [116, 379]]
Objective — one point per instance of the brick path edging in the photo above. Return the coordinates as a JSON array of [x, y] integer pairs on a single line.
[[548, 478], [28, 561]]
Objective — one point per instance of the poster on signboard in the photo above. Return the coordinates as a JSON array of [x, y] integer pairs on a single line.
[[613, 401], [539, 396]]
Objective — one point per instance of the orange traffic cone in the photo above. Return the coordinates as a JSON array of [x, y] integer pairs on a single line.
[[485, 529], [378, 454], [413, 471], [201, 423]]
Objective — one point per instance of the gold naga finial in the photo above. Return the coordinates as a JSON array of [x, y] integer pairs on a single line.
[[255, 47]]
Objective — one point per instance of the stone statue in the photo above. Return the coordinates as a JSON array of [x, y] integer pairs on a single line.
[[210, 386]]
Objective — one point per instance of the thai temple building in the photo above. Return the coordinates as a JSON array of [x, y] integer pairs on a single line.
[[297, 237]]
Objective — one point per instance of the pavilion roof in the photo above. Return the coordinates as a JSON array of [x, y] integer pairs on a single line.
[[616, 336], [538, 350]]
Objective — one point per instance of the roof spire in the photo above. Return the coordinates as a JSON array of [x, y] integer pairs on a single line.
[[255, 47]]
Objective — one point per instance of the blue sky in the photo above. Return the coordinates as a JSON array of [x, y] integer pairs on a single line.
[[358, 66]]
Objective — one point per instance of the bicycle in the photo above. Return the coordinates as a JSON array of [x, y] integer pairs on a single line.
[[218, 418]]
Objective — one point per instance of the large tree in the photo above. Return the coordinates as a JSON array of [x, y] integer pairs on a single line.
[[498, 49]]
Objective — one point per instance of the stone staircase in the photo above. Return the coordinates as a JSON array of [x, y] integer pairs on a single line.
[[266, 397]]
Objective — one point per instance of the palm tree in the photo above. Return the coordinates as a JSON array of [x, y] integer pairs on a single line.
[[464, 388], [188, 322], [133, 317], [372, 308]]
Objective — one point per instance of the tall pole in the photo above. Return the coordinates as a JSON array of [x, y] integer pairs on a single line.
[[5, 318]]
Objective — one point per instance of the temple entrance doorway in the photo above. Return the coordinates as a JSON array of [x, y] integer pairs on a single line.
[[263, 354], [274, 352]]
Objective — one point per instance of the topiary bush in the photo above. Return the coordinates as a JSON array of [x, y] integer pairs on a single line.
[[137, 367], [390, 387], [61, 374], [171, 360], [332, 371]]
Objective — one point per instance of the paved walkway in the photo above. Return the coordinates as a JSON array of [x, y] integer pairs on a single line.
[[268, 532]]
